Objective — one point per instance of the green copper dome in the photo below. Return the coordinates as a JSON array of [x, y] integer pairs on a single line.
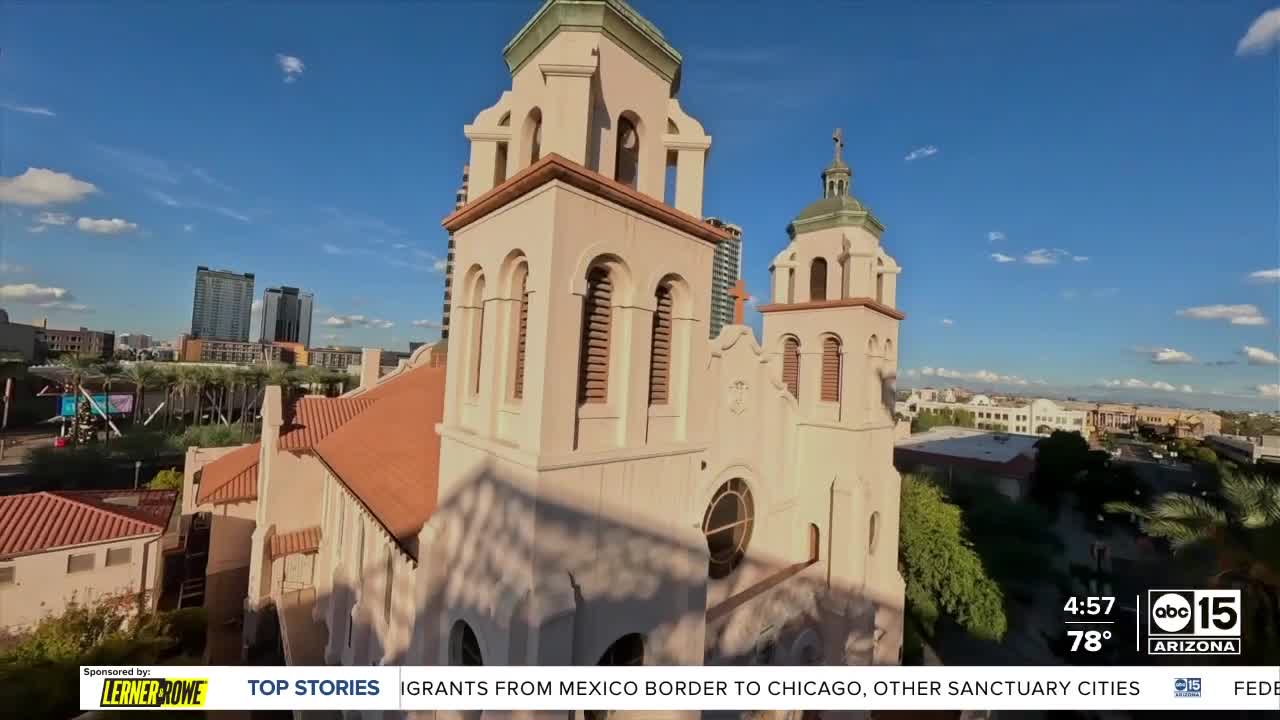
[[837, 208]]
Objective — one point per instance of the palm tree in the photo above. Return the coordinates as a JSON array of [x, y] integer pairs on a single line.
[[1240, 523], [109, 371], [284, 376], [141, 374], [78, 366], [255, 376]]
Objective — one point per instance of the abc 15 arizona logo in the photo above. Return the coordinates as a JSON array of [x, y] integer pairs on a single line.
[[1193, 622], [154, 692]]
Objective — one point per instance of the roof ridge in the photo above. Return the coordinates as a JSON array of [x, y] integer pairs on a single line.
[[106, 507]]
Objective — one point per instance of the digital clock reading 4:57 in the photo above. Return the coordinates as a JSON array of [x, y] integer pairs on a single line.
[[1089, 606]]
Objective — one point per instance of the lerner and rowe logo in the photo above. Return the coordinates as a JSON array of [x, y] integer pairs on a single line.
[[154, 693]]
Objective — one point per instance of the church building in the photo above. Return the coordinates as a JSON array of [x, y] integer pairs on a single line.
[[591, 480]]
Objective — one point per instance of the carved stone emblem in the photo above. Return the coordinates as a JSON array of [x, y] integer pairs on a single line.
[[738, 390]]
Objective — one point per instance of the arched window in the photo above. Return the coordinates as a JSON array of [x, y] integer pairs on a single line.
[[660, 348], [464, 646], [888, 349], [818, 279], [597, 317], [626, 167], [522, 337], [533, 135], [830, 369], [791, 365], [477, 334], [879, 280], [791, 284], [873, 533], [814, 539], [627, 650], [727, 525], [500, 164]]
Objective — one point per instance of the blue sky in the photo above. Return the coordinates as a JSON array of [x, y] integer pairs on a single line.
[[1139, 137]]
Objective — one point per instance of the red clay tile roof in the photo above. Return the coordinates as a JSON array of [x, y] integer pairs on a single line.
[[306, 540], [36, 522], [389, 455], [312, 419], [230, 478]]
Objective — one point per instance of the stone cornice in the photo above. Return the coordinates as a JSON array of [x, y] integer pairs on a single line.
[[490, 135], [679, 142], [865, 302], [555, 167], [553, 70]]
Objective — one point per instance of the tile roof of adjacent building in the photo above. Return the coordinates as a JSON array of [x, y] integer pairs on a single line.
[[389, 455], [230, 478], [306, 540], [312, 418], [41, 521]]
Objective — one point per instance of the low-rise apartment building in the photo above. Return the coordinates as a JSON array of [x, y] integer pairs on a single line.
[[78, 342], [1117, 417], [1037, 417], [86, 547], [235, 352], [1246, 450], [334, 358]]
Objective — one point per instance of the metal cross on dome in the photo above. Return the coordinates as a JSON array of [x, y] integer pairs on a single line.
[[838, 138]]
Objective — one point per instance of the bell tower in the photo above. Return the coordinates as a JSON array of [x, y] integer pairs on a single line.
[[832, 320]]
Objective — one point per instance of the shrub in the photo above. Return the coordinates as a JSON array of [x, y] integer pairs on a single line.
[[168, 479]]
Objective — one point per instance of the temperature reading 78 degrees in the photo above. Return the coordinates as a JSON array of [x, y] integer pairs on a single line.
[[1090, 640]]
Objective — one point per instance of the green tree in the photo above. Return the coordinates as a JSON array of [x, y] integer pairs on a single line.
[[1062, 460], [79, 367], [930, 418], [109, 372], [1240, 525], [943, 571], [143, 375], [167, 479]]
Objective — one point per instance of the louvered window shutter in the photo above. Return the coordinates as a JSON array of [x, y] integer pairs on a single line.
[[522, 336], [593, 371], [660, 352], [831, 370], [791, 366]]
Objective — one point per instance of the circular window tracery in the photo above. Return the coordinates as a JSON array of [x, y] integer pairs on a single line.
[[727, 526]]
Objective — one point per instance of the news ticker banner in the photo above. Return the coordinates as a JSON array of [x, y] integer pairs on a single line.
[[681, 688]]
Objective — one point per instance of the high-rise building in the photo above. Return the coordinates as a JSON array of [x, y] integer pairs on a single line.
[[223, 302], [286, 315], [459, 200], [135, 341], [726, 270]]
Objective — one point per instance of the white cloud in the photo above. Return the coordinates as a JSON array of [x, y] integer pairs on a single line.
[[995, 236], [926, 151], [292, 66], [39, 186], [1044, 256], [234, 215], [432, 324], [164, 198], [1236, 314], [1187, 389], [1002, 258], [37, 228], [188, 228], [1136, 384], [32, 293], [911, 372], [346, 321], [948, 322], [439, 265], [1167, 356], [12, 268], [52, 218], [921, 152], [67, 306], [1266, 275], [210, 180], [1258, 356], [112, 226], [29, 110], [979, 375], [1271, 390], [1080, 258], [399, 246], [1262, 35]]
